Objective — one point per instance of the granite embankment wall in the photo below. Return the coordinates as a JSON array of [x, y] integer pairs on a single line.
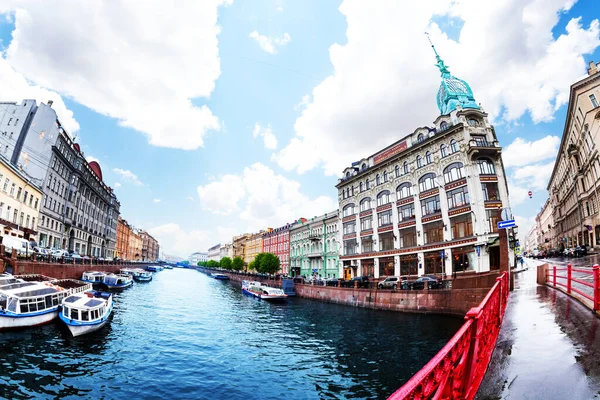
[[61, 271]]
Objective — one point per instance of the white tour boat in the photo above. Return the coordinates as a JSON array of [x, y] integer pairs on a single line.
[[142, 275], [117, 281], [86, 312], [261, 291], [93, 277]]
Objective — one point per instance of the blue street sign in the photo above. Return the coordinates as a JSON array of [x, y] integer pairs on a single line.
[[506, 224], [442, 254], [478, 248]]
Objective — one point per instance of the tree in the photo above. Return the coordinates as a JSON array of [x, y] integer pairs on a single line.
[[252, 265], [212, 264], [237, 263], [202, 263], [269, 263], [225, 263], [257, 263]]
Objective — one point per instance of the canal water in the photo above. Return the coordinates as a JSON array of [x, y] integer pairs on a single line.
[[187, 336]]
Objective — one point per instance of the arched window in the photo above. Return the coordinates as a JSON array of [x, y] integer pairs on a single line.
[[383, 198], [360, 185], [486, 167], [365, 204], [385, 177], [420, 138], [348, 210], [454, 172], [443, 150], [428, 158], [453, 146], [377, 180], [397, 170], [427, 182], [419, 162], [473, 122], [368, 184], [348, 174], [363, 167], [443, 126], [403, 191], [406, 167]]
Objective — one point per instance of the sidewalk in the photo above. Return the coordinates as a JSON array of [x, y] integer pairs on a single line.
[[548, 347]]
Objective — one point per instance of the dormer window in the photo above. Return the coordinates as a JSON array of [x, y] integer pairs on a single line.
[[443, 126], [420, 138], [363, 167], [473, 122]]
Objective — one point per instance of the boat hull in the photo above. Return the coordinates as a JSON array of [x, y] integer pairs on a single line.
[[278, 297], [123, 286], [13, 321], [80, 328], [142, 279]]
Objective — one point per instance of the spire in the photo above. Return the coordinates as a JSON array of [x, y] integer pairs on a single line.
[[440, 63]]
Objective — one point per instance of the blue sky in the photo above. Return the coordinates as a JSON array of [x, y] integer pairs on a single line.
[[325, 106]]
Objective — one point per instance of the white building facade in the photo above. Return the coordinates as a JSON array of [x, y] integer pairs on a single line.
[[214, 253]]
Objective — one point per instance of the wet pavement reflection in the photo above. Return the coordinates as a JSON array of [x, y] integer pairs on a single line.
[[548, 348]]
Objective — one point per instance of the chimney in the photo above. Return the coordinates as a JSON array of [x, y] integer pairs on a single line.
[[593, 68], [50, 102]]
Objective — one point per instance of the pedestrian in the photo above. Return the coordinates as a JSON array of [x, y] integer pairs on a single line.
[[522, 261]]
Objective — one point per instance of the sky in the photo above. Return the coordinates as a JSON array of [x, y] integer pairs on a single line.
[[221, 117]]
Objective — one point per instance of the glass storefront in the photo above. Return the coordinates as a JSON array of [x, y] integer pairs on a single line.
[[409, 264], [368, 267], [464, 259], [433, 263], [386, 266]]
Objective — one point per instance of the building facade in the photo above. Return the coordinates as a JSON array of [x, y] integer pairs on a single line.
[[430, 202], [226, 250], [197, 257], [134, 252], [573, 186], [314, 246], [214, 253], [239, 246], [123, 235], [20, 201], [277, 241], [531, 239], [544, 222], [150, 247], [254, 245], [79, 211]]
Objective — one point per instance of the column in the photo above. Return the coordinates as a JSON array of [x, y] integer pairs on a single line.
[[397, 264], [421, 263], [376, 267], [448, 263]]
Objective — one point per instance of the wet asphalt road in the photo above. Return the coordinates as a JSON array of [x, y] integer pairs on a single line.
[[548, 348]]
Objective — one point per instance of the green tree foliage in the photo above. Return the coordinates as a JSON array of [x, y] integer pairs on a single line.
[[266, 263], [213, 264], [225, 263], [202, 263], [237, 263]]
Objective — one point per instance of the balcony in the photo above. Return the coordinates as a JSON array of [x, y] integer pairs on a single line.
[[314, 236], [478, 148]]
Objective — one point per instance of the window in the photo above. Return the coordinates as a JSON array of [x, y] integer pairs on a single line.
[[443, 150], [386, 241], [8, 213], [486, 167], [473, 122], [408, 237], [490, 191], [367, 184], [406, 212], [21, 218], [6, 185], [348, 210], [385, 218], [15, 216], [593, 100], [453, 146], [377, 180], [385, 176], [434, 232], [493, 216], [408, 264], [443, 126], [349, 227], [420, 138], [383, 198], [480, 141], [462, 226], [403, 191], [406, 170], [397, 171], [458, 197], [428, 159], [363, 167], [430, 205], [19, 194], [365, 204], [350, 247], [454, 172], [367, 244], [419, 162], [366, 223], [427, 182], [12, 189]]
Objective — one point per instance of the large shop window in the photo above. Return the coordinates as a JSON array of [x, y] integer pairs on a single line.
[[433, 263], [427, 182], [350, 247], [430, 205], [385, 218], [366, 223], [490, 191], [462, 226], [348, 210], [349, 227], [386, 266], [458, 197], [454, 172], [367, 244], [383, 198], [464, 259], [434, 232], [486, 167], [365, 204], [408, 237], [368, 267], [405, 190], [386, 241], [493, 216], [406, 212], [409, 264]]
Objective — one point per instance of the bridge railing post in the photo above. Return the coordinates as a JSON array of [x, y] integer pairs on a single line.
[[554, 276], [596, 272], [569, 275]]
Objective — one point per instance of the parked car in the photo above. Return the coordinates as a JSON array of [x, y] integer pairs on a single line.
[[432, 283], [75, 255], [60, 253], [361, 281], [580, 251], [391, 282], [298, 279]]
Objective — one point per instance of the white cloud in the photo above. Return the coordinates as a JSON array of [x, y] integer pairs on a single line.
[[117, 184], [268, 43], [89, 159], [521, 152], [517, 194], [154, 66], [535, 175], [190, 198], [175, 240], [262, 198], [384, 83], [128, 176], [279, 9], [524, 224], [269, 139], [156, 201]]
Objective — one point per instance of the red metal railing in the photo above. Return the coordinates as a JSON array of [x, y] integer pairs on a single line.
[[458, 369], [588, 278]]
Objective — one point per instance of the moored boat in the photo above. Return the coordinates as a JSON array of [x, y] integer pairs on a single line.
[[93, 277], [86, 312], [143, 276], [262, 292], [117, 281], [154, 268], [222, 277]]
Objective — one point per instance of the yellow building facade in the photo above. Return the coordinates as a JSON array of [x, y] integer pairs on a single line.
[[254, 245], [20, 201]]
